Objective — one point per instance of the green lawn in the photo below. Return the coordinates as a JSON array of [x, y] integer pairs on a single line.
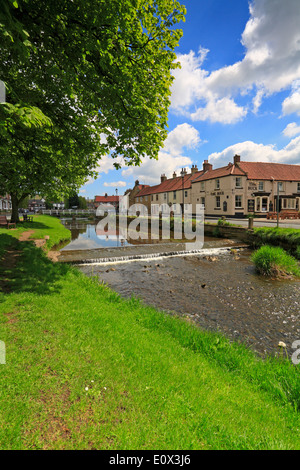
[[43, 225], [86, 369]]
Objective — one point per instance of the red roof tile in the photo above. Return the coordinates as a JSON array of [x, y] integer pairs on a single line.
[[228, 170], [106, 198], [270, 171], [172, 184]]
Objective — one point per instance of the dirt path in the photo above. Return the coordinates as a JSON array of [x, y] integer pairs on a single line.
[[25, 236]]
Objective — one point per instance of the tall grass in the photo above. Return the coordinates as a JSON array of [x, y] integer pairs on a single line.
[[275, 262]]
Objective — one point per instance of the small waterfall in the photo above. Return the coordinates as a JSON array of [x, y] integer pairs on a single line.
[[155, 256]]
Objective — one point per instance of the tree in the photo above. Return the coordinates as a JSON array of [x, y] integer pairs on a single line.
[[83, 79]]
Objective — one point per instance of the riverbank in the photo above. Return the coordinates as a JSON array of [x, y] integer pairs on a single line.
[[87, 369]]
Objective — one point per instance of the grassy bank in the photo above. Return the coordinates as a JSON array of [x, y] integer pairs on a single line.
[[273, 261], [287, 238], [86, 369], [41, 226]]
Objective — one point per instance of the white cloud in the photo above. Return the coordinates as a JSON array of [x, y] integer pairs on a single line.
[[170, 159], [291, 130], [183, 136], [271, 64], [253, 152], [292, 104], [224, 110], [117, 184]]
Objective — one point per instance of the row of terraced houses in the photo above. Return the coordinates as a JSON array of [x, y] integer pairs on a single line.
[[235, 190]]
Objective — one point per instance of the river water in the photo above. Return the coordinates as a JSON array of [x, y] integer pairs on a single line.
[[217, 292]]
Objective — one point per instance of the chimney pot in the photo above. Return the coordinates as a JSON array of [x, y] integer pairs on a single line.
[[207, 166]]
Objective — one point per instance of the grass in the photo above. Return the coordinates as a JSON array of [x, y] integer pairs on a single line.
[[275, 262], [287, 238], [86, 369], [42, 225]]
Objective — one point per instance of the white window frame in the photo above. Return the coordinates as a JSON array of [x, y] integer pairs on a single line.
[[240, 198], [238, 182], [261, 186]]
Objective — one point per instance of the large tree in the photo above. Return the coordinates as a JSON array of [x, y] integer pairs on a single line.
[[83, 78]]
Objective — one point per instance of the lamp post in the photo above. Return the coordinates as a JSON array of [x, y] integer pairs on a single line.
[[182, 180], [278, 184]]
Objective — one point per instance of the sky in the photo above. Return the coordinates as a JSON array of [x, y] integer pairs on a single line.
[[237, 92]]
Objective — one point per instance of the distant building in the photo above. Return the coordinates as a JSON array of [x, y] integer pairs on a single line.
[[5, 202], [112, 200], [236, 190], [36, 204], [243, 188], [58, 205]]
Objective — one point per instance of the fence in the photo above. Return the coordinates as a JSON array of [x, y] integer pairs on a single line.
[[69, 211]]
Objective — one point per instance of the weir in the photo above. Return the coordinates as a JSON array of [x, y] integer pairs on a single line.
[[154, 256]]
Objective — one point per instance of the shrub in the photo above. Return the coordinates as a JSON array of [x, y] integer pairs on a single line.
[[275, 262]]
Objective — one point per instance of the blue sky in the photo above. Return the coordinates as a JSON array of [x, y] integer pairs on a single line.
[[238, 91]]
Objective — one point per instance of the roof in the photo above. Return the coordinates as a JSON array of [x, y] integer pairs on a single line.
[[270, 171], [172, 184], [255, 171], [228, 170], [107, 198]]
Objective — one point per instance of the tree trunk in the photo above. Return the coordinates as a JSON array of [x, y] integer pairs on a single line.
[[14, 209]]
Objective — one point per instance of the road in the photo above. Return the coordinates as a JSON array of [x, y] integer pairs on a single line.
[[259, 222]]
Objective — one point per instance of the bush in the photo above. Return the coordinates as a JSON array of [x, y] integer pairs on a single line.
[[275, 262]]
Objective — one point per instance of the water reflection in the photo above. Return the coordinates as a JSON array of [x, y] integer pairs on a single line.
[[86, 236]]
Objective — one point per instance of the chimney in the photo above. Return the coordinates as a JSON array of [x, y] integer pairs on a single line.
[[174, 174], [236, 159], [207, 166], [136, 183], [194, 169], [105, 194], [163, 178]]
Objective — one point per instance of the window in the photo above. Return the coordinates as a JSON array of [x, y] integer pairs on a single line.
[[185, 194], [174, 194], [217, 184], [238, 182], [238, 202], [218, 202], [203, 187], [146, 198], [152, 197], [157, 197], [203, 201], [298, 187], [258, 204], [288, 203], [280, 186], [165, 196], [261, 186]]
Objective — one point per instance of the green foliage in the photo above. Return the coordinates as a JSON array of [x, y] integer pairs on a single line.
[[275, 262], [83, 79]]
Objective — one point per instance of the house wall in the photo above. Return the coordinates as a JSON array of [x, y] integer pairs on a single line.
[[220, 199], [257, 196]]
